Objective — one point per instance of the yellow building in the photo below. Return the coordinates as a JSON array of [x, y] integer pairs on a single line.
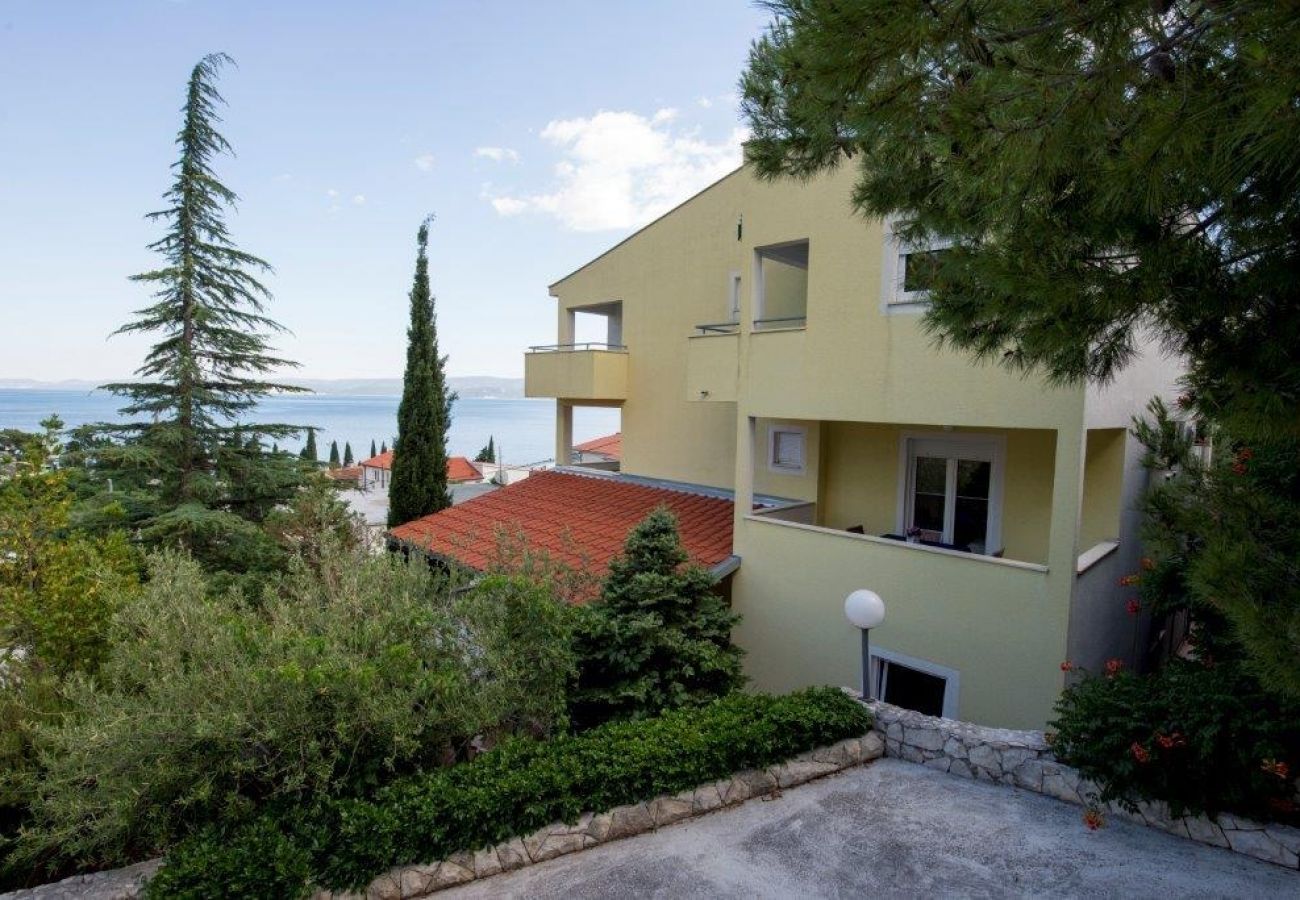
[[764, 339]]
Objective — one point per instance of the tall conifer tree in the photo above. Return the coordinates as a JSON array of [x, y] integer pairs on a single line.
[[347, 454], [309, 451], [419, 485], [372, 448], [206, 473], [334, 454]]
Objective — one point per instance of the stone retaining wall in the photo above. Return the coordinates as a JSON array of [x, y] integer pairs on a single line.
[[1024, 759], [557, 839]]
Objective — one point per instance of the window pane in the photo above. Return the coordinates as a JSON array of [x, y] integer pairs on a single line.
[[787, 449], [973, 478], [927, 512], [912, 689], [919, 269], [931, 475], [971, 523]]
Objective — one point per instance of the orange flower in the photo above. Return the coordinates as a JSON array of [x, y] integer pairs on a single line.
[[1093, 818], [1170, 741], [1113, 666], [1276, 768], [1129, 580], [1148, 563], [1139, 752]]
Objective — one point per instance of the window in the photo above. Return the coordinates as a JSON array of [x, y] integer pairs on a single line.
[[952, 491], [781, 286], [785, 450], [918, 270], [733, 308], [915, 684]]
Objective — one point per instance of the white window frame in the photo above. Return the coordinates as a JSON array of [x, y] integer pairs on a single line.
[[779, 468], [951, 677], [893, 298], [953, 446], [733, 299]]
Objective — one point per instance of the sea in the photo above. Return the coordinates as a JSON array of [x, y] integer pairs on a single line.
[[523, 430]]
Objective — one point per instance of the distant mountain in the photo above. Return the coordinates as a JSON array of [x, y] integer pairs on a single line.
[[475, 387]]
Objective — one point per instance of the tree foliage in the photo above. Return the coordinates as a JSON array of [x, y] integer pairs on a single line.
[[419, 482], [489, 453], [1105, 170], [658, 638], [309, 451], [188, 469]]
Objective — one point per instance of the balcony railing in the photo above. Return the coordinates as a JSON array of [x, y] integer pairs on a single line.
[[781, 322], [719, 328], [571, 348]]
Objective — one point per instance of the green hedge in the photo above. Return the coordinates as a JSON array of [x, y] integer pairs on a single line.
[[512, 790]]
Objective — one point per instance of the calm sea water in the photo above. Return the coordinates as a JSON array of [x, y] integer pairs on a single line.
[[524, 429]]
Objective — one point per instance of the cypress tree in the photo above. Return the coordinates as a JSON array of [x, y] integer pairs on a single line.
[[309, 452], [489, 453], [419, 483], [383, 448], [334, 454], [347, 454], [201, 472], [372, 448]]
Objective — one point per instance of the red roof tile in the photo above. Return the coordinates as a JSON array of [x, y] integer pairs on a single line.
[[347, 473], [579, 520], [382, 461], [610, 445], [459, 468]]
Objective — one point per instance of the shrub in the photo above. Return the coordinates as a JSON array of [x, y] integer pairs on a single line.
[[511, 790], [1204, 739], [357, 670], [658, 638]]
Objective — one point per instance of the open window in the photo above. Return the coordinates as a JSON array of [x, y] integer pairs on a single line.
[[952, 491], [915, 684], [781, 295]]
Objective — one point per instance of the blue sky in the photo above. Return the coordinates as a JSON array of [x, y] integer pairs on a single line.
[[538, 133]]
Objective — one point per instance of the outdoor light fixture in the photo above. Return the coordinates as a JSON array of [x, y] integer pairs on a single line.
[[865, 610]]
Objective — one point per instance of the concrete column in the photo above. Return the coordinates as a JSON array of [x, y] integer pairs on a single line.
[[563, 432]]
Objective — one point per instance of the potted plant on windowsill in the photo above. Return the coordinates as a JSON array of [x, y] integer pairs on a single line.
[[914, 535]]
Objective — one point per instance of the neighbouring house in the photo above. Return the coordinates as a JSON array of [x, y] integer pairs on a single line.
[[764, 341], [599, 453], [346, 476], [377, 469]]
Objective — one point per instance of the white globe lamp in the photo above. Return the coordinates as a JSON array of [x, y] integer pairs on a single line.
[[866, 611]]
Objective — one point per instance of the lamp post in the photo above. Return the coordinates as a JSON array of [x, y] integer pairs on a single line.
[[866, 610]]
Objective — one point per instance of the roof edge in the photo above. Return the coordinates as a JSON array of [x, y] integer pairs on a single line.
[[550, 288]]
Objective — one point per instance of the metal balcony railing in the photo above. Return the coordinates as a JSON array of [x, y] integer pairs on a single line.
[[571, 348], [781, 322]]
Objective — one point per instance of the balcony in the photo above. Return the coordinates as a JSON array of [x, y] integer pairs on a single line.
[[589, 372], [713, 362]]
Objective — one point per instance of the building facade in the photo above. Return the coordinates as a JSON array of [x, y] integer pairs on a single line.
[[764, 339]]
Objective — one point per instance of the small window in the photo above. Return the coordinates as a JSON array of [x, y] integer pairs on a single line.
[[918, 270], [733, 307], [786, 450], [910, 688]]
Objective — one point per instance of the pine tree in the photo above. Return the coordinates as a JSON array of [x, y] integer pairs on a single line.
[[372, 449], [419, 482], [659, 637], [309, 451], [489, 453], [199, 472], [347, 455], [334, 454]]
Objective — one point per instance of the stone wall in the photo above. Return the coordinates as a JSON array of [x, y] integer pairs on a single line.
[[1024, 759]]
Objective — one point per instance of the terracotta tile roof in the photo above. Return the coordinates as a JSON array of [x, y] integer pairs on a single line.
[[610, 445], [579, 520], [459, 469], [382, 461], [347, 473]]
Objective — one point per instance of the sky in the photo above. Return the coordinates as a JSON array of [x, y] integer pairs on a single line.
[[538, 134]]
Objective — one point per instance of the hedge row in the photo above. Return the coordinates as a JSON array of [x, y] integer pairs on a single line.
[[512, 790]]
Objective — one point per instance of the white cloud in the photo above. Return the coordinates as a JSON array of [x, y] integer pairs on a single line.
[[622, 169], [498, 154], [359, 200], [424, 162], [703, 102], [331, 193]]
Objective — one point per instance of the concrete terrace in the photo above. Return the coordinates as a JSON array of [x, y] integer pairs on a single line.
[[895, 829]]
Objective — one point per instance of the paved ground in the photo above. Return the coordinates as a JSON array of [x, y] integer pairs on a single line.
[[895, 829]]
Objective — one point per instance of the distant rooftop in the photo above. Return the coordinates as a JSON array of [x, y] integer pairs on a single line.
[[611, 445]]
